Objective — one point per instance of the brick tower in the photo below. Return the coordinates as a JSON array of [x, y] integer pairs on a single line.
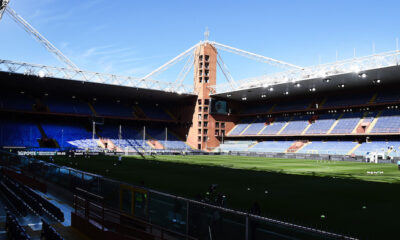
[[202, 134]]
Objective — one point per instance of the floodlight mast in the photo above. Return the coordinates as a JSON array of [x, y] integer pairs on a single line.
[[35, 34], [3, 5]]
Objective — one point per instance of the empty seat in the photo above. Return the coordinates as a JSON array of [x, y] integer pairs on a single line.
[[322, 124], [328, 147], [296, 125], [274, 127], [255, 127], [347, 123]]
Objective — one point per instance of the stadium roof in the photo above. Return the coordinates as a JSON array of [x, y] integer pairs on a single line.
[[362, 79], [346, 72], [42, 85], [39, 70]]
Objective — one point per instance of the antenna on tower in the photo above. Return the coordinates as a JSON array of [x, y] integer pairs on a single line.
[[206, 34]]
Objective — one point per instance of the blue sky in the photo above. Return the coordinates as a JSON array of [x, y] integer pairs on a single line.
[[131, 37]]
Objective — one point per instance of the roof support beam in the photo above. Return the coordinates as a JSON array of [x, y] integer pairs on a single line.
[[32, 31], [3, 5], [170, 62], [255, 56], [185, 70], [226, 72]]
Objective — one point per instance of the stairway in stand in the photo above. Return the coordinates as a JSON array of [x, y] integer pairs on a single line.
[[296, 146]]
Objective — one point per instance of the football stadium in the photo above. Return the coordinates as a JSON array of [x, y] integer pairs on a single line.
[[307, 152]]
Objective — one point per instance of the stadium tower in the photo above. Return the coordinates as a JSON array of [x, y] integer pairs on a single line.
[[207, 129], [203, 124]]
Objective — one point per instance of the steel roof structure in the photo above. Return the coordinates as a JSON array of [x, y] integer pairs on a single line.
[[291, 80], [312, 76]]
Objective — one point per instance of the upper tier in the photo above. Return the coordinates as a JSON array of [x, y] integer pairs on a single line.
[[329, 102], [94, 107]]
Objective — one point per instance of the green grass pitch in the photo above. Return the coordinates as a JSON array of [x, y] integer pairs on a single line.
[[359, 199]]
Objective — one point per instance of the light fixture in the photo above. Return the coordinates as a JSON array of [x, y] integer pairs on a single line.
[[271, 89], [376, 81], [297, 85], [327, 80], [341, 85], [228, 95], [263, 96], [244, 98], [286, 93], [312, 89], [41, 73], [362, 75]]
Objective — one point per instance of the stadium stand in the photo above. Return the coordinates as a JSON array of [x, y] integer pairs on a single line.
[[299, 104], [331, 147], [387, 97], [19, 102], [328, 147], [296, 125], [115, 109], [255, 127], [236, 145], [172, 142], [275, 126], [14, 229], [349, 100], [241, 126], [65, 132], [322, 124], [19, 133], [59, 104], [86, 144], [154, 112], [388, 122], [271, 146], [347, 123], [23, 195], [258, 108], [16, 201], [393, 147], [48, 232]]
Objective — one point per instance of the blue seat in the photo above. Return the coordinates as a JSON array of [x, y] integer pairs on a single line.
[[19, 133]]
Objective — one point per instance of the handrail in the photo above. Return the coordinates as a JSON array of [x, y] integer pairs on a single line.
[[120, 213]]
